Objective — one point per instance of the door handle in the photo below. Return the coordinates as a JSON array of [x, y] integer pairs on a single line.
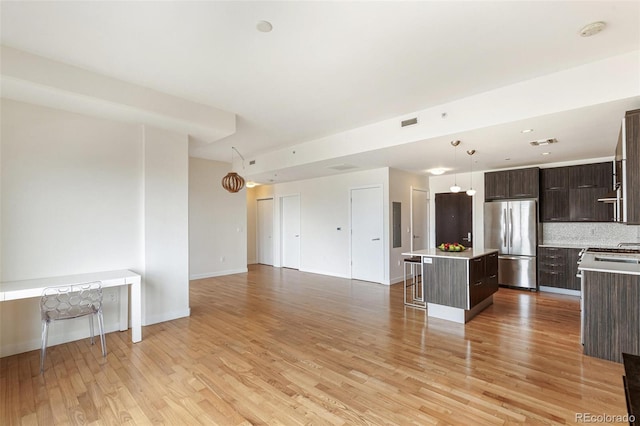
[[510, 228], [504, 230], [375, 239]]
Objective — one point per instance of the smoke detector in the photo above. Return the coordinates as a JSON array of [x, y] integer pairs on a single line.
[[542, 142]]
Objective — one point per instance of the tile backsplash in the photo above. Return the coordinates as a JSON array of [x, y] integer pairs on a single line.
[[589, 234]]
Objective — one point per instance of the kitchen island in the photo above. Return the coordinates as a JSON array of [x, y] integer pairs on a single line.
[[610, 300], [458, 285]]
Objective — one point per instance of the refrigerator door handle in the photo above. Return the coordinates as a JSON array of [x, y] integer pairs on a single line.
[[504, 230], [510, 228]]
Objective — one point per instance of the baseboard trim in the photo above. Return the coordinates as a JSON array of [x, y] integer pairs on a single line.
[[217, 273], [557, 290], [166, 316]]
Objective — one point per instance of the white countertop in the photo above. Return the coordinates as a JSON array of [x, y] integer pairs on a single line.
[[469, 253], [589, 263], [571, 246]]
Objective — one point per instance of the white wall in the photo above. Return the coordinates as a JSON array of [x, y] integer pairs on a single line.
[[165, 292], [400, 184], [325, 207], [81, 194], [217, 222], [71, 191]]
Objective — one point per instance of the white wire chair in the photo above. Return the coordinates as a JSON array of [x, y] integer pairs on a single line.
[[68, 302]]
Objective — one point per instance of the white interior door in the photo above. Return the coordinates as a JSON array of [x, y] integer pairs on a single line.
[[265, 231], [290, 211], [419, 219], [367, 252]]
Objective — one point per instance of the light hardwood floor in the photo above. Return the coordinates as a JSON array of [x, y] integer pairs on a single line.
[[278, 346]]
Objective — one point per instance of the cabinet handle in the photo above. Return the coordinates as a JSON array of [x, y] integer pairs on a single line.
[[587, 186], [478, 259], [492, 276], [521, 195], [477, 283]]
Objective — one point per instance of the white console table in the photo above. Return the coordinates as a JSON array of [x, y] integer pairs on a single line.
[[25, 289]]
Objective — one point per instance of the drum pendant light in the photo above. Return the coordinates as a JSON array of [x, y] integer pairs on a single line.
[[233, 182]]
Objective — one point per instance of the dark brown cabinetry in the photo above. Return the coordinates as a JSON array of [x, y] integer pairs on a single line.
[[570, 194], [483, 278], [554, 204], [449, 282], [611, 325], [632, 183], [557, 267], [511, 184]]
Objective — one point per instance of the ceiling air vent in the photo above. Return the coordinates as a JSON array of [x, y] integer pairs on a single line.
[[342, 167], [409, 122], [543, 142]]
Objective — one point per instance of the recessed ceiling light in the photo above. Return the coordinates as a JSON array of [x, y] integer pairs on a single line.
[[507, 159], [592, 29], [546, 153], [437, 172], [527, 131], [264, 26]]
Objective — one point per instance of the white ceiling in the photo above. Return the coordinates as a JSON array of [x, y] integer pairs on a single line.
[[332, 66]]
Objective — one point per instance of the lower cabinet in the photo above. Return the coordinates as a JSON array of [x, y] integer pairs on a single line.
[[611, 325], [557, 267], [483, 278]]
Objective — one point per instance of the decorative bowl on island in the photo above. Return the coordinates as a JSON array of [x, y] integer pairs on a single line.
[[451, 247]]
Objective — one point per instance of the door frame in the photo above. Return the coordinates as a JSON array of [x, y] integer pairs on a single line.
[[383, 236], [281, 230], [427, 211]]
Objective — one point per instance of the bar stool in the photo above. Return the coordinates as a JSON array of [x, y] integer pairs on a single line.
[[413, 290]]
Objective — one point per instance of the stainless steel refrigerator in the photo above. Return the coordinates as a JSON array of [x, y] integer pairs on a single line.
[[512, 228]]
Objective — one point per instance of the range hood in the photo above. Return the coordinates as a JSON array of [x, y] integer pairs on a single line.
[[611, 196]]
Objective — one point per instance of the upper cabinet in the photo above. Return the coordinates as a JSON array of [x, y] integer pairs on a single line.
[[570, 194], [554, 206], [632, 178], [511, 184]]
